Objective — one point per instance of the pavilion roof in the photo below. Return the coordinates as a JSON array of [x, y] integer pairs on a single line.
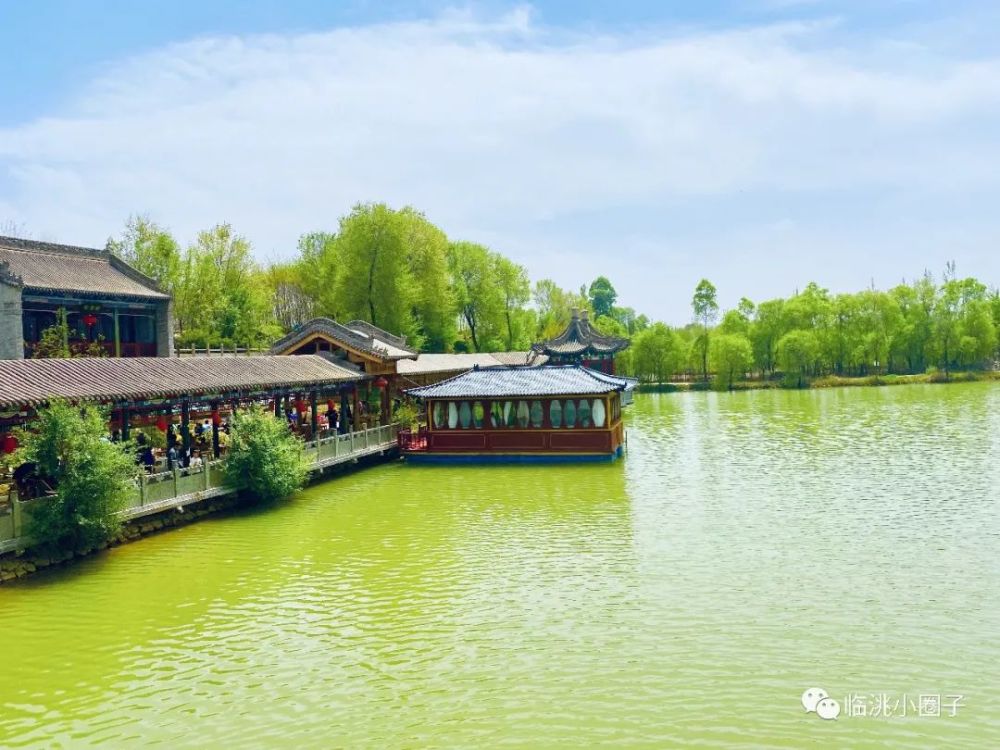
[[29, 382], [48, 267], [580, 338], [524, 381], [358, 334]]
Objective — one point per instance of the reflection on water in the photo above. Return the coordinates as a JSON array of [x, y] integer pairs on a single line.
[[751, 545]]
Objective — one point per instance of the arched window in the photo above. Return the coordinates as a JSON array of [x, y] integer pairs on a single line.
[[583, 413], [555, 413], [465, 415], [509, 414], [437, 412], [452, 415], [496, 415], [478, 414], [569, 414]]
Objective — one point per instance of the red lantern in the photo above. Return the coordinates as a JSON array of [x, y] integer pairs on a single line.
[[161, 423], [89, 319], [216, 417], [381, 382], [9, 443], [300, 406]]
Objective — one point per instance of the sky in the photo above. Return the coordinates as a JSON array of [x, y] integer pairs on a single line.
[[761, 144]]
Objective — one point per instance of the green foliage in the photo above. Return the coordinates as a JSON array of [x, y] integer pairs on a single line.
[[706, 310], [149, 249], [478, 297], [408, 415], [797, 353], [92, 477], [731, 356], [58, 341], [602, 296], [656, 354], [264, 459]]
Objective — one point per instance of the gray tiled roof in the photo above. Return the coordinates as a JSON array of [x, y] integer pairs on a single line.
[[48, 267], [513, 382], [33, 381], [581, 338], [459, 361], [358, 335]]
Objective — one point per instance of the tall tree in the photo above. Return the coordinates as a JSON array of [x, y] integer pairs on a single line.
[[478, 298], [602, 296], [515, 290], [706, 310], [150, 249]]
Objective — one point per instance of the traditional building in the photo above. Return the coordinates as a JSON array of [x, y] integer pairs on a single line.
[[582, 344], [107, 303], [522, 414]]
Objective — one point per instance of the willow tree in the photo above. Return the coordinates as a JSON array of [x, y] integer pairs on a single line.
[[706, 310], [478, 298]]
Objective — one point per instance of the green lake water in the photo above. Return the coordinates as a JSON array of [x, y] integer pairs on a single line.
[[750, 546]]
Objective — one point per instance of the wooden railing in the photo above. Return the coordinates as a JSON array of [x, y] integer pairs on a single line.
[[182, 486]]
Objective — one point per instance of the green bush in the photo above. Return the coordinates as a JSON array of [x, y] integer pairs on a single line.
[[92, 477], [265, 460]]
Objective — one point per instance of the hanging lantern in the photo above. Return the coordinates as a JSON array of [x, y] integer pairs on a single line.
[[300, 406], [90, 319], [9, 444], [381, 382], [216, 417], [161, 423]]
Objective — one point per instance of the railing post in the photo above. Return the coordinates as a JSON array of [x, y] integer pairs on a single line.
[[176, 481], [366, 438], [15, 514], [142, 489], [204, 472]]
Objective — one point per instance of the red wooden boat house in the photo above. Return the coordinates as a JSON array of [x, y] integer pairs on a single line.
[[522, 414]]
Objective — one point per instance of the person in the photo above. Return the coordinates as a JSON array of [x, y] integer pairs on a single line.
[[333, 418], [196, 462], [171, 456], [148, 459]]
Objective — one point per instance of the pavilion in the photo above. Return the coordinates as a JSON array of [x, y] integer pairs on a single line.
[[582, 344], [522, 414]]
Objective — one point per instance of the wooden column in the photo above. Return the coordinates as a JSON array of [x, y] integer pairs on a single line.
[[125, 425], [118, 334], [185, 428], [343, 412], [215, 430], [277, 405], [355, 410], [385, 406], [315, 415]]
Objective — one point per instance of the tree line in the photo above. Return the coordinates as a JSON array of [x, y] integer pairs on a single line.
[[396, 269], [391, 267]]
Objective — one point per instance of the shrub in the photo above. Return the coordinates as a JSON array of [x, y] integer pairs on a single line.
[[92, 477], [408, 415], [265, 460]]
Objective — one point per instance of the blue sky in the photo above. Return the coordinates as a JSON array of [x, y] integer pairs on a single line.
[[761, 144]]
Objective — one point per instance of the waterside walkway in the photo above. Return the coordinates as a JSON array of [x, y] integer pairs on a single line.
[[179, 488]]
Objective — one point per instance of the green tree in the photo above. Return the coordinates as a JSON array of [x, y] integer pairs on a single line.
[[515, 290], [150, 249], [93, 478], [264, 460], [732, 357], [602, 296], [478, 296], [656, 353], [426, 247], [706, 310], [797, 353]]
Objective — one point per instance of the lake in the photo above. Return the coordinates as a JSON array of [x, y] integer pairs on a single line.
[[749, 547]]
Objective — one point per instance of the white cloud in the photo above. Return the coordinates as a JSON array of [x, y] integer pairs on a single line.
[[525, 136]]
